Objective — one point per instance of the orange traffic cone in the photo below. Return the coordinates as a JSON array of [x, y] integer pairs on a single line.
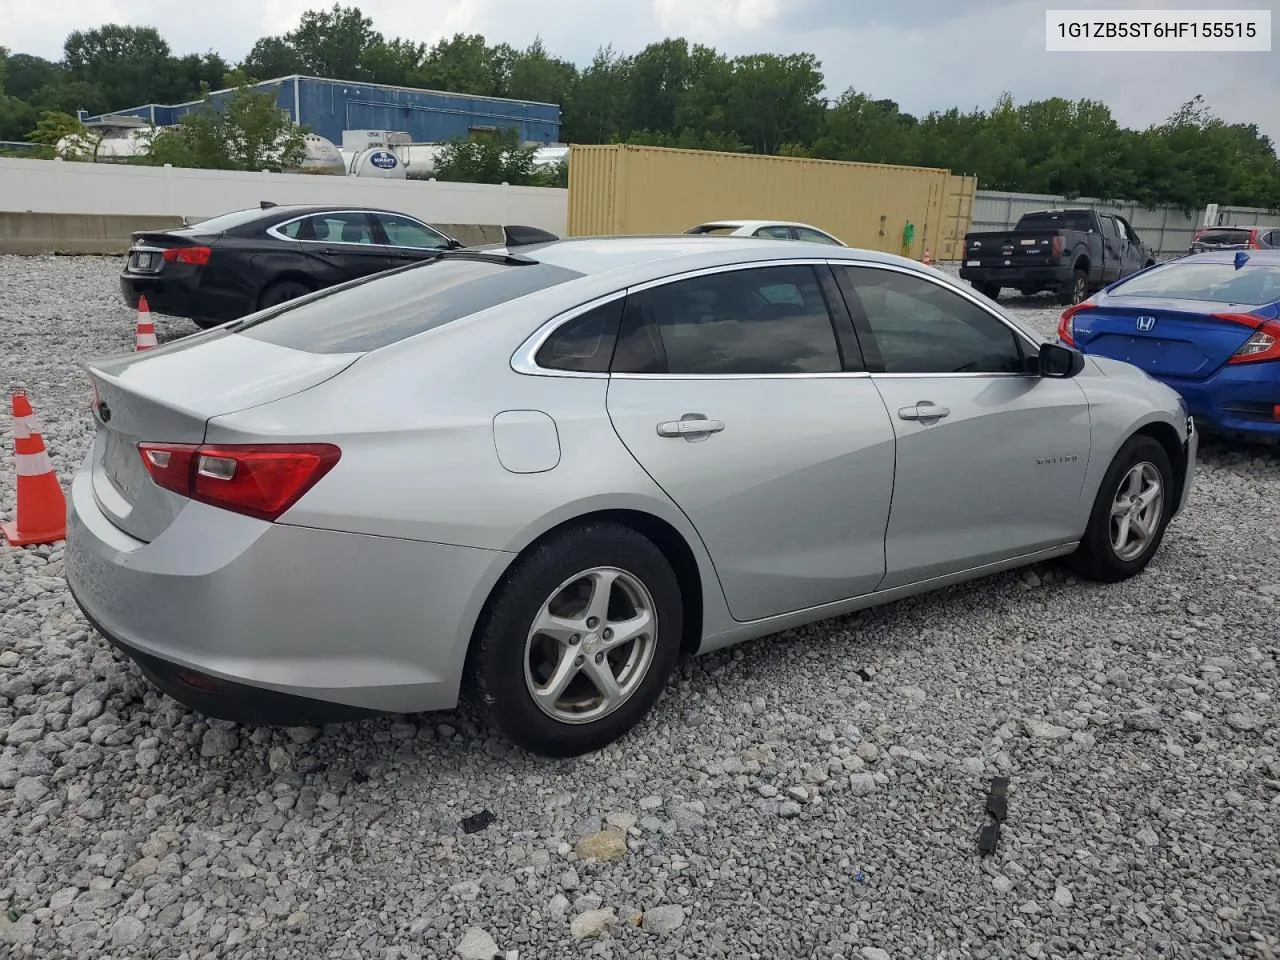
[[42, 506], [146, 335]]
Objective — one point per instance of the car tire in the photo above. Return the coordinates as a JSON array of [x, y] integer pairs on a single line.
[[990, 290], [1110, 550], [281, 291], [511, 660], [1077, 291]]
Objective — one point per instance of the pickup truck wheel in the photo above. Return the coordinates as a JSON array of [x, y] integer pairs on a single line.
[[989, 290], [1077, 291]]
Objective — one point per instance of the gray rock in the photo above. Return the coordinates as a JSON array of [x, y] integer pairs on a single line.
[[1062, 896], [218, 742], [874, 953], [1042, 730], [862, 784], [126, 931], [789, 808], [476, 944], [664, 919], [1148, 721], [593, 923], [31, 789]]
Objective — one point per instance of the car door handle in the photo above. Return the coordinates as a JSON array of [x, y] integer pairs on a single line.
[[924, 410], [690, 425]]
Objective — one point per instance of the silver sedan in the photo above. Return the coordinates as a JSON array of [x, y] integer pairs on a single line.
[[538, 475]]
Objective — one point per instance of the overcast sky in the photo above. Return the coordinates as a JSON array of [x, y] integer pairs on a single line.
[[925, 54]]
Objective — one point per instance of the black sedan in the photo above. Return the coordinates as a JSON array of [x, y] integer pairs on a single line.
[[221, 269]]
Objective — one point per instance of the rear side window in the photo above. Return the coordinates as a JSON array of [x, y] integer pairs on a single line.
[[585, 343], [1253, 284], [387, 308], [762, 320]]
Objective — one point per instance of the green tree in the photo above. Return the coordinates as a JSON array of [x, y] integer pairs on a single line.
[[272, 57], [538, 76], [463, 63], [596, 109], [247, 132], [131, 65], [53, 127], [495, 158]]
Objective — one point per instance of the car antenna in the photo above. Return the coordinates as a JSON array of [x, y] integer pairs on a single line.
[[266, 204], [1241, 259]]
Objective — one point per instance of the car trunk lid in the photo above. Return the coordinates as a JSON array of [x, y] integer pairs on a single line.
[[1166, 338], [148, 248], [169, 395]]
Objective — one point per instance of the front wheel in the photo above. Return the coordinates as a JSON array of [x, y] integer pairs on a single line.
[[578, 641], [1130, 513]]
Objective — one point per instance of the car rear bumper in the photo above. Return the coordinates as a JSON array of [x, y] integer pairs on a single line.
[[177, 294], [1238, 401], [1035, 276], [267, 623]]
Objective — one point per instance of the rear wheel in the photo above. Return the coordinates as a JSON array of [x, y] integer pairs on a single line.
[[989, 290], [578, 642], [1077, 290], [282, 291], [1130, 513]]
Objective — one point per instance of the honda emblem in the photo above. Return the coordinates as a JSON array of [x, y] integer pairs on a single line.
[[1146, 324]]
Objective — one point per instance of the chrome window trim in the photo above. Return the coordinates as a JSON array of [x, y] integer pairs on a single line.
[[522, 361], [274, 230]]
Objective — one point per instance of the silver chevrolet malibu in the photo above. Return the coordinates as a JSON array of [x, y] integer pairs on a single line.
[[540, 474]]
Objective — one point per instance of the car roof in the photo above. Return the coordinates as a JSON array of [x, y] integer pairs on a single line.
[[758, 223], [593, 255], [1228, 256]]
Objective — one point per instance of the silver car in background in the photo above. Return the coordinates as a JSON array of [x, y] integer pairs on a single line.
[[539, 474]]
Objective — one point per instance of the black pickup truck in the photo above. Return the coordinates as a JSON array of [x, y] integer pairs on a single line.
[[1068, 252]]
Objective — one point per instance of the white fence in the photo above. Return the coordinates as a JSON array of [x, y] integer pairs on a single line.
[[55, 186], [1167, 229]]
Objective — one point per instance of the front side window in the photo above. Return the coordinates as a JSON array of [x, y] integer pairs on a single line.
[[763, 320], [922, 327], [403, 232]]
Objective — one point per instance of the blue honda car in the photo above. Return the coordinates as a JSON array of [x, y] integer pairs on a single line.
[[1207, 325]]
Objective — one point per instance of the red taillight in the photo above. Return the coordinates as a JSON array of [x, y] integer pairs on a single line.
[[1056, 248], [1253, 240], [257, 480], [1066, 326], [197, 256], [1263, 344]]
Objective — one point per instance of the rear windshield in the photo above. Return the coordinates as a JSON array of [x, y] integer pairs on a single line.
[[1218, 238], [718, 229], [227, 221], [392, 307], [1251, 285], [1081, 221]]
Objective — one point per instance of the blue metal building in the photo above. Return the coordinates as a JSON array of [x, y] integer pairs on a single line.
[[328, 107]]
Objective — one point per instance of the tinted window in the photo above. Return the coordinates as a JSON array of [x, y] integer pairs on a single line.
[[814, 236], [1077, 220], [403, 232], [229, 221], [352, 227], [718, 230], [774, 233], [1217, 238], [585, 343], [1109, 227], [757, 321], [921, 327], [384, 309], [1252, 284]]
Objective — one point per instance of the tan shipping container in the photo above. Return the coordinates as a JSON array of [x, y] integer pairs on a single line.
[[621, 189]]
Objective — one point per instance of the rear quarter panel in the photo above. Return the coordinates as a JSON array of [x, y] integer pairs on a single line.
[[419, 462]]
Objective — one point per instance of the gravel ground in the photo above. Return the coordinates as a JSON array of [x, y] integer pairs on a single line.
[[816, 794]]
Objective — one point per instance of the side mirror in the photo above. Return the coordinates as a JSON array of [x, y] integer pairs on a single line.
[[455, 244], [1059, 361]]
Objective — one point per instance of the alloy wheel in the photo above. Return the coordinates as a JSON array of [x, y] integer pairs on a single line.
[[591, 645], [1136, 511]]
